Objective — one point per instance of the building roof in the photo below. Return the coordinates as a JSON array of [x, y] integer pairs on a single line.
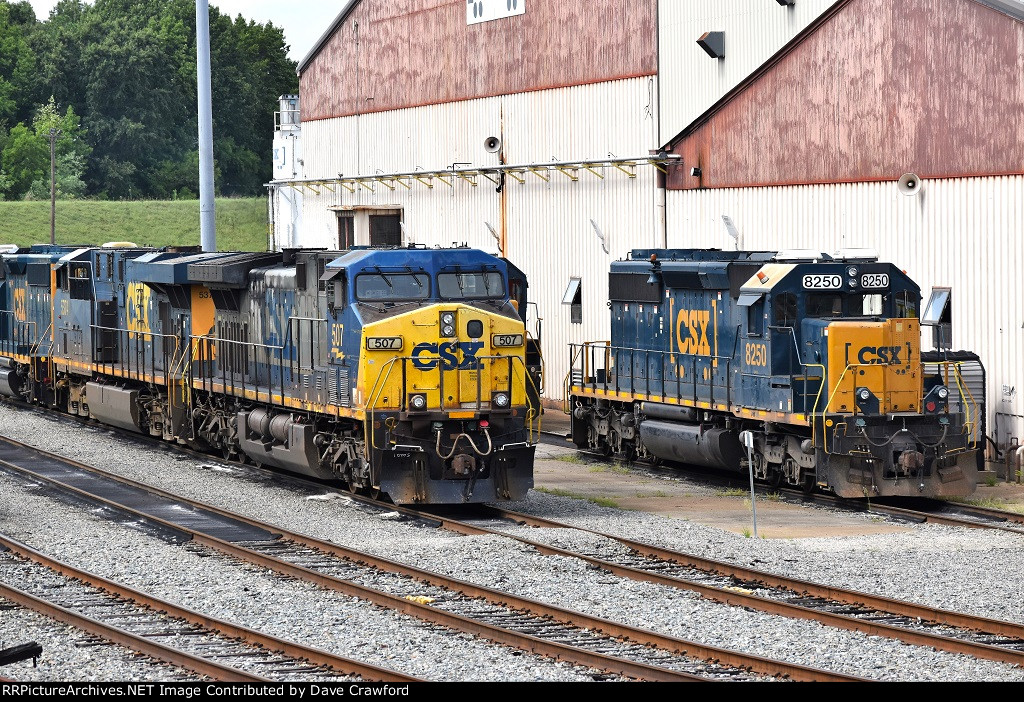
[[345, 12], [1011, 8]]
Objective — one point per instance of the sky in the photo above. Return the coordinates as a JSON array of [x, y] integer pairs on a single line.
[[303, 21]]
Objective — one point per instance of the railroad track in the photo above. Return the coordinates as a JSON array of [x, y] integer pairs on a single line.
[[982, 637], [929, 511], [174, 635], [612, 648]]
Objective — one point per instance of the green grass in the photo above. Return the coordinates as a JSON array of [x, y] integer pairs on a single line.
[[601, 501], [732, 492], [619, 470], [989, 502], [241, 223]]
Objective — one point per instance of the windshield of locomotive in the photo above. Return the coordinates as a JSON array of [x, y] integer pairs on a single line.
[[381, 286], [476, 285], [845, 305]]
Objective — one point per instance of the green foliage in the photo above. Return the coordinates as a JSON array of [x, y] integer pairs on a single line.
[[24, 159], [128, 70]]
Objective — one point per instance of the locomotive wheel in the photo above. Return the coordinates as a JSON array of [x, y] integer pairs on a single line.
[[808, 483]]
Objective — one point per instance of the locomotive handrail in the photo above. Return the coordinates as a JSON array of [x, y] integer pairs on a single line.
[[947, 364], [140, 353], [23, 325], [226, 375], [380, 382], [577, 350], [966, 397]]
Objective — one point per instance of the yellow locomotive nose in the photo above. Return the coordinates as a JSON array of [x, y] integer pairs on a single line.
[[463, 361], [875, 367]]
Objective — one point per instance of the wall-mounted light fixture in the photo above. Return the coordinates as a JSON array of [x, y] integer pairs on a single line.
[[696, 172], [713, 44]]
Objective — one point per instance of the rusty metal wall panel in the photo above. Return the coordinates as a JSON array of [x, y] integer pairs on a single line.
[[691, 81], [964, 233], [547, 223], [883, 88], [406, 53]]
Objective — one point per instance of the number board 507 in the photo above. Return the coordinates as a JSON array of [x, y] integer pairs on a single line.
[[823, 282]]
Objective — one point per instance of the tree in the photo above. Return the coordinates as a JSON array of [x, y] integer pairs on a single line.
[[25, 158]]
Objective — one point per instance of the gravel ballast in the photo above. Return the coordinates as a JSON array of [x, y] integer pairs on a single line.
[[951, 568]]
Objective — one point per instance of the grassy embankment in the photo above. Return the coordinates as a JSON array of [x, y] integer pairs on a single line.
[[241, 223]]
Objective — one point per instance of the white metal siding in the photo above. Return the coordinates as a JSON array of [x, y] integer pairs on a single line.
[[964, 233], [549, 230], [755, 30]]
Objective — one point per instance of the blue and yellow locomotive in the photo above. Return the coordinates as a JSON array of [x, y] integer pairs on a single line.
[[807, 367], [395, 371]]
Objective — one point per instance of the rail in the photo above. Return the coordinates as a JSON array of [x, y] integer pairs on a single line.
[[380, 385]]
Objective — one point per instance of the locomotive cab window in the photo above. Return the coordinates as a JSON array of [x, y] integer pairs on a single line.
[[785, 310], [906, 305], [379, 285], [824, 305], [477, 285]]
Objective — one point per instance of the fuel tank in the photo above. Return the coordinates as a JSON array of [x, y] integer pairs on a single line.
[[689, 443]]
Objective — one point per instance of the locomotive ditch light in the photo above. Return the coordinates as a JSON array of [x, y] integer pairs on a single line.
[[500, 400], [937, 399], [866, 400], [417, 403]]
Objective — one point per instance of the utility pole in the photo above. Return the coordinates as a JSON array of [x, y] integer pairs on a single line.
[[54, 134], [207, 223]]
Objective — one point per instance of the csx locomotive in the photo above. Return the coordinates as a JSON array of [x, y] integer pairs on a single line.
[[805, 367], [401, 371]]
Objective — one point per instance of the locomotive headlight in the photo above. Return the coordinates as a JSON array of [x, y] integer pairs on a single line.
[[863, 394], [500, 400], [852, 271], [447, 324], [418, 403], [942, 393]]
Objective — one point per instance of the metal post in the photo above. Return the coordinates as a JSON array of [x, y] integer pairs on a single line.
[[747, 438], [207, 227], [54, 134]]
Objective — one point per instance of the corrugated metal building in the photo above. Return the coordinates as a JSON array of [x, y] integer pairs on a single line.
[[563, 133]]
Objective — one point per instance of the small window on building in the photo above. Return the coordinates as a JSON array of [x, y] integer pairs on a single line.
[[574, 297], [938, 314], [386, 230]]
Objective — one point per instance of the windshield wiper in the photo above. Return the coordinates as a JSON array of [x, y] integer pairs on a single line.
[[381, 274]]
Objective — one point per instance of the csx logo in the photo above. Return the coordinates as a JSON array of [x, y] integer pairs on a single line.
[[880, 355], [692, 332], [448, 355]]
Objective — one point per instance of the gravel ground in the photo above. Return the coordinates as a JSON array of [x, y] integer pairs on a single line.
[[939, 566]]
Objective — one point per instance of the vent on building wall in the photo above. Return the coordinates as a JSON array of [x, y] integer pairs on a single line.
[[713, 44]]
